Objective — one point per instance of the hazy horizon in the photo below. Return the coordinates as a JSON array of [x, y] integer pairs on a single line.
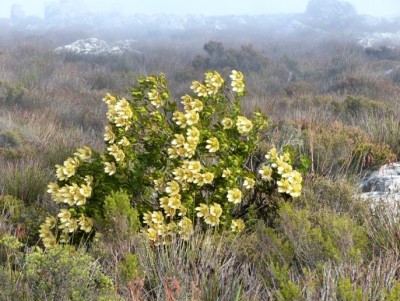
[[205, 7]]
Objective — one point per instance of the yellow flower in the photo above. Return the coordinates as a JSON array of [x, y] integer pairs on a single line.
[[85, 223], [236, 75], [109, 99], [48, 238], [194, 166], [83, 153], [216, 210], [266, 172], [155, 98], [116, 152], [110, 168], [213, 81], [248, 183], [53, 189], [64, 215], [295, 177], [180, 119], [197, 105], [199, 89], [85, 190], [237, 81], [174, 201], [234, 196], [147, 218], [284, 186], [272, 154], [227, 123], [198, 179], [178, 141], [152, 234], [202, 210], [179, 174], [124, 141], [50, 222], [296, 190], [243, 125], [208, 177], [211, 220], [186, 227], [192, 117], [237, 225], [172, 188], [109, 134], [187, 102], [193, 134], [172, 153], [212, 145], [157, 217]]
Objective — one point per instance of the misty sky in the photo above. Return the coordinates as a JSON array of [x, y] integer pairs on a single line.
[[207, 7]]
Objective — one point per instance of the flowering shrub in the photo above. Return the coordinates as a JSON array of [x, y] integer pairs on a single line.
[[195, 164]]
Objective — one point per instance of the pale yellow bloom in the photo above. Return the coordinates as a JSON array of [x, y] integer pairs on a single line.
[[193, 134], [243, 125], [155, 98], [157, 217], [248, 183], [187, 102], [237, 225], [152, 234], [284, 186], [227, 123], [197, 105], [266, 172], [192, 117], [110, 168], [116, 152], [234, 196], [124, 142], [211, 220], [85, 223], [212, 145], [179, 140], [208, 177], [237, 81], [180, 119], [203, 210], [199, 89], [172, 188], [272, 154], [147, 218], [83, 153], [172, 152], [194, 166], [216, 210], [296, 190], [174, 201], [109, 134], [179, 174], [109, 99]]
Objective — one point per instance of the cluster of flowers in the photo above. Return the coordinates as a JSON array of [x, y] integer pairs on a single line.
[[204, 175], [184, 146], [289, 181], [73, 195]]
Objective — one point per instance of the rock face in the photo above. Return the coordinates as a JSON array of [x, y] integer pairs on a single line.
[[383, 185], [95, 46]]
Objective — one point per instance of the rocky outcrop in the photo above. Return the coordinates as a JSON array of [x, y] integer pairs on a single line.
[[93, 46], [383, 185]]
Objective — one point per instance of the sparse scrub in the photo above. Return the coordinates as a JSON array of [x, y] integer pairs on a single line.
[[329, 99]]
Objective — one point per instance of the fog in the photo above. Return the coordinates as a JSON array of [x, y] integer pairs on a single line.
[[205, 7]]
